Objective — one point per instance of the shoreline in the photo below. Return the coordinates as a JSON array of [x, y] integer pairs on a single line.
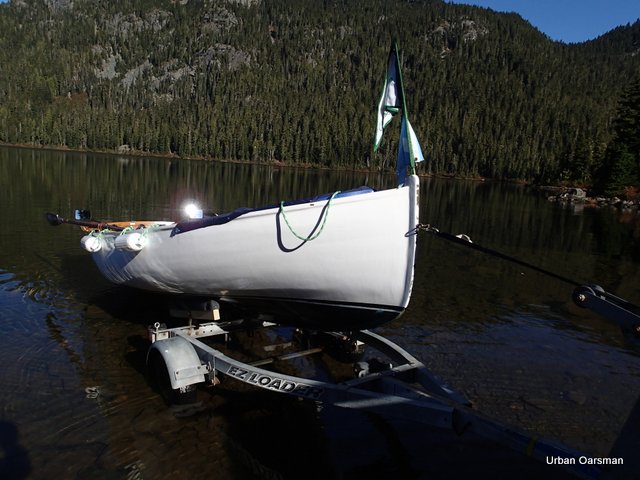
[[276, 163], [564, 194], [579, 197]]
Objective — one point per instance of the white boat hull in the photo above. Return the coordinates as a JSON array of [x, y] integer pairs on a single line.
[[357, 273]]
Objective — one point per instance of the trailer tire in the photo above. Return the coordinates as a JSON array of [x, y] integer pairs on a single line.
[[159, 376]]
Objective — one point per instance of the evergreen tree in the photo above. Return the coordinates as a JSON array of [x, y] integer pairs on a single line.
[[296, 81], [621, 167]]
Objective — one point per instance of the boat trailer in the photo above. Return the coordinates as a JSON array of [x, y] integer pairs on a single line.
[[398, 386]]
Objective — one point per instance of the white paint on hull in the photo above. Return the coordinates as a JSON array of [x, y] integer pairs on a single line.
[[362, 255]]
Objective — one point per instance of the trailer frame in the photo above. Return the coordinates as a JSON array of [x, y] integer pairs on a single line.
[[400, 388]]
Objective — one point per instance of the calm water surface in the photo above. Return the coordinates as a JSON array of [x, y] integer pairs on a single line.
[[76, 402]]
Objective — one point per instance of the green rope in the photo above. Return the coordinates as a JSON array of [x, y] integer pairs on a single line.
[[324, 212], [145, 230]]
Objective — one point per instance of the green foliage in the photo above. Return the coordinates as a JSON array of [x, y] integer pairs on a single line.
[[297, 81], [621, 166]]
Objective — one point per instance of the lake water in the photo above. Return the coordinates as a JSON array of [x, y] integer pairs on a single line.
[[74, 397]]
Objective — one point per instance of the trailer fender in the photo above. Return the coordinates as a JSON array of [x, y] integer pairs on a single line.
[[184, 367]]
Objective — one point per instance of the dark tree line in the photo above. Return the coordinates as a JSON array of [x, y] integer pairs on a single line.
[[297, 82], [620, 170]]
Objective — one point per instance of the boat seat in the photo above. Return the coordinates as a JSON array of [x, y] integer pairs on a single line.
[[207, 221]]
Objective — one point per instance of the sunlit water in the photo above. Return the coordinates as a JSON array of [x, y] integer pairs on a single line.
[[76, 402]]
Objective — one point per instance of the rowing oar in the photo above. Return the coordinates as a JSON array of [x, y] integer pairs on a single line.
[[54, 220]]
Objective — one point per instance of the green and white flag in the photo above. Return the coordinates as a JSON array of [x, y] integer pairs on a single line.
[[390, 101], [393, 101]]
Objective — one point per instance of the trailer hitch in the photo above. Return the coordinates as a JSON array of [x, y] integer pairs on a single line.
[[614, 309]]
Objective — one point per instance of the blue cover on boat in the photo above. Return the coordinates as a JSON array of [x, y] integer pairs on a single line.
[[193, 224]]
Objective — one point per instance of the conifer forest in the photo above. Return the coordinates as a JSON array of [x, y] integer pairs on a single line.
[[297, 82]]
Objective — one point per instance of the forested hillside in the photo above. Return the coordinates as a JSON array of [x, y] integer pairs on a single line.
[[297, 81]]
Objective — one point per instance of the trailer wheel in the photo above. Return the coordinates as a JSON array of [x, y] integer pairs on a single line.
[[159, 376]]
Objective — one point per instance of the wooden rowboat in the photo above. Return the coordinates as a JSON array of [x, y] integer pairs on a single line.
[[340, 261]]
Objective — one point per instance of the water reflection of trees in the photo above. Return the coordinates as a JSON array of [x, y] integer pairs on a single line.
[[456, 283], [123, 187], [518, 219]]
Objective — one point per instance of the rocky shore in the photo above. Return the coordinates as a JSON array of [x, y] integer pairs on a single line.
[[579, 196]]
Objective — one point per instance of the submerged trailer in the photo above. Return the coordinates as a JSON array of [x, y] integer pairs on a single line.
[[396, 385]]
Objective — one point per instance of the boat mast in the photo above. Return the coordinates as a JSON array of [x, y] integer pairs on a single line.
[[411, 168]]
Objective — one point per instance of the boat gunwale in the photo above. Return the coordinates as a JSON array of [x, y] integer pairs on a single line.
[[163, 225]]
